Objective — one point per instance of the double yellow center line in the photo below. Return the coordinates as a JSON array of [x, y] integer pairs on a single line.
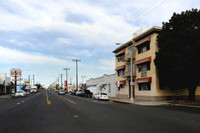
[[67, 100], [48, 101]]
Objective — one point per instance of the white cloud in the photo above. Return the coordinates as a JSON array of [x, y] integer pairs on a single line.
[[19, 57], [28, 15], [21, 43], [107, 64], [65, 41]]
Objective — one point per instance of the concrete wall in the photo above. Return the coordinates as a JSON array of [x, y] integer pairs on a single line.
[[108, 81]]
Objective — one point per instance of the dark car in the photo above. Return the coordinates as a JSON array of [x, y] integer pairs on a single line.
[[73, 92], [86, 93]]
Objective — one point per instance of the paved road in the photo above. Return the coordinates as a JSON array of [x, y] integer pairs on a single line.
[[47, 112]]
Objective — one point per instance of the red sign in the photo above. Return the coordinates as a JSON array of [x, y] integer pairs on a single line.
[[17, 71], [65, 83]]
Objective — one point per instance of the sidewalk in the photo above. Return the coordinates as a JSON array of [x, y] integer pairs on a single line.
[[139, 102], [156, 103], [4, 97]]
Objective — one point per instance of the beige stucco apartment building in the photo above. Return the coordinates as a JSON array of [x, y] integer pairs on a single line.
[[146, 81]]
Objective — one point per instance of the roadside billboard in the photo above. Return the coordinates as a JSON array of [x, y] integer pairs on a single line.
[[17, 79], [26, 81], [17, 71]]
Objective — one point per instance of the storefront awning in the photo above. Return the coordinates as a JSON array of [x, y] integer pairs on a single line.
[[120, 67], [148, 59], [147, 39], [121, 82], [143, 80], [120, 52]]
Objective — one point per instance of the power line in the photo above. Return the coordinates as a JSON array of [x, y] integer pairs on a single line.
[[139, 14]]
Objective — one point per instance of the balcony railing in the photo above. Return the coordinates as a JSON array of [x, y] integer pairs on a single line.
[[127, 57], [128, 73]]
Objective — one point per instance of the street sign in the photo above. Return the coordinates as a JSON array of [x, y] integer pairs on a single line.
[[132, 83]]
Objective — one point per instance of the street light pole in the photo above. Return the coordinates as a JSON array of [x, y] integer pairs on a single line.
[[131, 83], [76, 60]]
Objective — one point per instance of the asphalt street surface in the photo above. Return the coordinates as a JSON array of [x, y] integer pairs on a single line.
[[48, 112]]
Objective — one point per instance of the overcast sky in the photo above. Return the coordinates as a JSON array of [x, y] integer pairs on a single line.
[[41, 37]]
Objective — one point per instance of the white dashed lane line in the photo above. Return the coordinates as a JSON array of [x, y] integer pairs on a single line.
[[25, 100]]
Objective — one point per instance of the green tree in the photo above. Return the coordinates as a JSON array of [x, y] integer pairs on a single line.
[[178, 58]]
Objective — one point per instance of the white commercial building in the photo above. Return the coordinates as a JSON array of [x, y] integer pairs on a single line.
[[4, 83], [105, 84]]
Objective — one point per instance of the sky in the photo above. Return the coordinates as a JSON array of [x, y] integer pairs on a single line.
[[41, 37]]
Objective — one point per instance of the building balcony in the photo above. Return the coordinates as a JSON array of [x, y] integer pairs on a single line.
[[127, 57], [128, 74]]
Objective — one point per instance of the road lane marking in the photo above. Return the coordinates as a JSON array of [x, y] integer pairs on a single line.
[[48, 101], [18, 103], [67, 100], [75, 116]]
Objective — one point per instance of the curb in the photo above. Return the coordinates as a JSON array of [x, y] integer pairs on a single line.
[[184, 103], [120, 102]]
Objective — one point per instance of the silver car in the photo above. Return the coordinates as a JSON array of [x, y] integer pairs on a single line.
[[20, 93], [61, 92]]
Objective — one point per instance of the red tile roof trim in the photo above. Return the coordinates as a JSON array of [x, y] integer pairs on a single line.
[[147, 39], [120, 52], [144, 80], [120, 67], [148, 59]]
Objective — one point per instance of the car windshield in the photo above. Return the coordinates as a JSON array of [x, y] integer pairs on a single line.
[[19, 91], [103, 94]]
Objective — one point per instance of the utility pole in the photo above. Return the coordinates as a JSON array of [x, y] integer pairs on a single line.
[[29, 79], [33, 81], [5, 83], [15, 81], [58, 80], [61, 80], [76, 60], [66, 76]]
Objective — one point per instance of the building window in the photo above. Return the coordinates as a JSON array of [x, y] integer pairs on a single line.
[[122, 85], [144, 47], [144, 86], [120, 72], [144, 67], [120, 58]]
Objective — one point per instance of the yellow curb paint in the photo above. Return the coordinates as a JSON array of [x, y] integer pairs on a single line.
[[67, 100]]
